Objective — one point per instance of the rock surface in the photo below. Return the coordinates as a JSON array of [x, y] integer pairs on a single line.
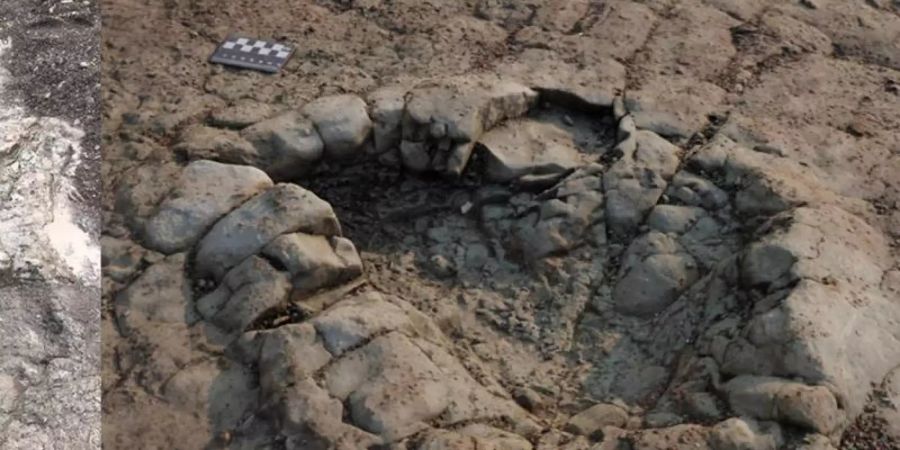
[[287, 145], [576, 226], [246, 230], [444, 119], [50, 378], [206, 192], [342, 122], [528, 147]]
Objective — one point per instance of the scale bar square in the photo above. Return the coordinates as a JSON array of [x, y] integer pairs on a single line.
[[249, 53]]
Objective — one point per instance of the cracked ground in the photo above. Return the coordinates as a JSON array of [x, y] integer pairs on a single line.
[[49, 258], [706, 256]]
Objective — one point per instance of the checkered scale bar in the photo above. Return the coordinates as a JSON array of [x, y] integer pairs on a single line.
[[252, 54]]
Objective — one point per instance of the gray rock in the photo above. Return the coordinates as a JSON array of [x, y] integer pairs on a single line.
[[223, 389], [414, 156], [201, 142], [593, 419], [247, 291], [655, 270], [577, 184], [629, 199], [343, 123], [768, 398], [740, 357], [745, 434], [651, 286], [142, 190], [529, 398], [9, 393], [839, 269], [384, 361], [525, 147], [662, 419], [246, 230], [289, 353], [634, 184], [205, 192], [656, 154], [700, 191], [160, 295], [448, 116], [386, 107], [358, 319], [477, 255], [764, 263], [287, 145], [465, 107], [767, 184], [626, 134], [391, 386], [661, 123], [562, 220], [309, 415], [441, 267], [559, 227], [673, 218], [639, 383], [888, 409], [702, 406], [315, 261]]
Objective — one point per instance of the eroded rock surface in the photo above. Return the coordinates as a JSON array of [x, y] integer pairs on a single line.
[[613, 261], [50, 384]]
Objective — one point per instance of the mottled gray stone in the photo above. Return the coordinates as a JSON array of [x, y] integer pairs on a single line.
[[386, 107], [287, 145], [673, 218], [315, 261], [524, 147], [343, 123], [248, 290], [654, 272], [246, 230], [768, 398], [745, 434], [205, 192]]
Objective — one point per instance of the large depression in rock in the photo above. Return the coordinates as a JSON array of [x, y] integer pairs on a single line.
[[471, 262]]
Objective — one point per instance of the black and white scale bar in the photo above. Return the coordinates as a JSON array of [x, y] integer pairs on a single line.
[[258, 54]]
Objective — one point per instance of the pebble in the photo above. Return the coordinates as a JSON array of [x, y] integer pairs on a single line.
[[441, 266]]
